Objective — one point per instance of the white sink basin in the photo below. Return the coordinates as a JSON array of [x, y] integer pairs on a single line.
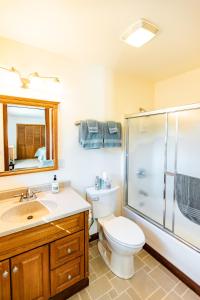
[[25, 212]]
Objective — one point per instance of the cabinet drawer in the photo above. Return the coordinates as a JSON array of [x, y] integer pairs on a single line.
[[67, 275], [25, 240], [66, 249]]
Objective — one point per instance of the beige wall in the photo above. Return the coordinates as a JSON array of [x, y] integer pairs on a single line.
[[178, 90], [88, 92], [131, 93]]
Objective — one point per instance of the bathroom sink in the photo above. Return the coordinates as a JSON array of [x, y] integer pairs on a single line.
[[25, 212]]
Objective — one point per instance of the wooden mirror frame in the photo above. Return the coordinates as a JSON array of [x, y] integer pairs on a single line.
[[38, 103]]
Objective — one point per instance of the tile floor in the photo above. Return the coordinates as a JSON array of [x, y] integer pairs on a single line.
[[152, 281]]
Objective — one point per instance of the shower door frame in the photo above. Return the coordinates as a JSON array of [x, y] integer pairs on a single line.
[[165, 112]]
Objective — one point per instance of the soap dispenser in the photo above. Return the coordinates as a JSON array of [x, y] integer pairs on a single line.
[[55, 185]]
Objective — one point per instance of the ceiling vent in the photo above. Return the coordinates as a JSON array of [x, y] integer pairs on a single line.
[[139, 33]]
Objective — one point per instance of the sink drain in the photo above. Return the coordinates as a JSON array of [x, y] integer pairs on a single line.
[[30, 217]]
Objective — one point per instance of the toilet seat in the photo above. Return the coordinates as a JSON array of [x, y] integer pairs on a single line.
[[124, 231]]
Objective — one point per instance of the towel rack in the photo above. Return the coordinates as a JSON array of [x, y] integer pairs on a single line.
[[77, 123]]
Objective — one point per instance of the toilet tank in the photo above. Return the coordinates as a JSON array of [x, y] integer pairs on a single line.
[[104, 202]]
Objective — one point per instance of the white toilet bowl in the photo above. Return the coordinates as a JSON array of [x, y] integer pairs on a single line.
[[123, 238], [119, 237]]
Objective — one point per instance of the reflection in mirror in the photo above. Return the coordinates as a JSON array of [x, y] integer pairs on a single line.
[[1, 139], [26, 137]]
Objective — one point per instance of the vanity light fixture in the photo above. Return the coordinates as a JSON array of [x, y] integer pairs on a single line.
[[36, 81], [35, 74], [9, 77], [26, 81], [139, 33]]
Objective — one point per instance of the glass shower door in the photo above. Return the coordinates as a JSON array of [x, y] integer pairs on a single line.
[[163, 171], [146, 165], [187, 204]]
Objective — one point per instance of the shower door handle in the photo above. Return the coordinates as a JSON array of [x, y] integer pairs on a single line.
[[169, 173], [169, 200]]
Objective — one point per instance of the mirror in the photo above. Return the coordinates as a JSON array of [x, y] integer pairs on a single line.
[[28, 135]]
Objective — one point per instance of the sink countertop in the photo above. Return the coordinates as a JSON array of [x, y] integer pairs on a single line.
[[61, 205]]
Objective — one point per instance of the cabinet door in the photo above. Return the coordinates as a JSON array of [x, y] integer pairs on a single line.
[[30, 275], [5, 280]]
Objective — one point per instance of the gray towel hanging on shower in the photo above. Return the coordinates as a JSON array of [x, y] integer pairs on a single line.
[[188, 197]]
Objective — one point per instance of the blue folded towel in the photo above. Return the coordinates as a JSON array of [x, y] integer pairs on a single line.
[[92, 126], [112, 127], [90, 140], [112, 139]]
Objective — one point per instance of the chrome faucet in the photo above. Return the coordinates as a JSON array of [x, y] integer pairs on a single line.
[[30, 195]]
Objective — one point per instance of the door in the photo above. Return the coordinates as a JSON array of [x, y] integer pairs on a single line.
[[30, 275], [146, 163], [163, 171], [5, 280], [29, 139], [186, 223]]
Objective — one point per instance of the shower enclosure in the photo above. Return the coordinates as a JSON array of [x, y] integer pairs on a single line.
[[163, 170]]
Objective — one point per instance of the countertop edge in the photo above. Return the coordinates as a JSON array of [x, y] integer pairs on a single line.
[[84, 206]]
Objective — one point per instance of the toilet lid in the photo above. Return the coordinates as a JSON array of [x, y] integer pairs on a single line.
[[124, 231]]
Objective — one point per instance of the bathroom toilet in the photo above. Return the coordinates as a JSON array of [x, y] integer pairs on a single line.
[[119, 237]]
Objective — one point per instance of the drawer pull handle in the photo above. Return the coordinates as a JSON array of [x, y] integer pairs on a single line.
[[69, 250], [69, 277], [5, 274], [15, 269]]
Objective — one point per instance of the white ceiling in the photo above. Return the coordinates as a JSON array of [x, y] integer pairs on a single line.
[[89, 31], [21, 111]]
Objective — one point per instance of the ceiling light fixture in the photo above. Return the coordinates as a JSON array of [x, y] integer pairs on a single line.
[[139, 33]]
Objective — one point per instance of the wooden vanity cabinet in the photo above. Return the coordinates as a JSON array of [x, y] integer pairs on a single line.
[[5, 280], [45, 262]]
